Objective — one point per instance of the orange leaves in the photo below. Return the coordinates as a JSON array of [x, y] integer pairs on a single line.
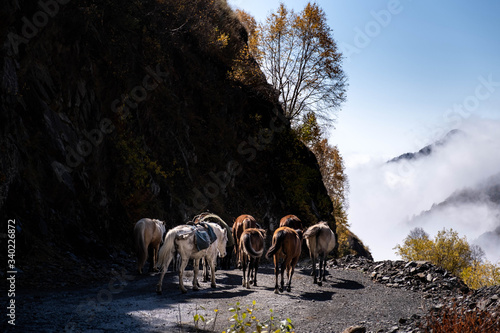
[[252, 28]]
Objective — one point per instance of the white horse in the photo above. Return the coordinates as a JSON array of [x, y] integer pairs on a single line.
[[320, 240], [182, 240], [148, 235]]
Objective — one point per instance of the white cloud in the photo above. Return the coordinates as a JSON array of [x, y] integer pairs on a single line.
[[385, 196]]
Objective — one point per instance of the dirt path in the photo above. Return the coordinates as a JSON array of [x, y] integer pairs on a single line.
[[128, 303]]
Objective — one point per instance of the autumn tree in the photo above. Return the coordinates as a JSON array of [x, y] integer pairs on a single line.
[[299, 57], [329, 159], [416, 246], [253, 32], [245, 67], [453, 253]]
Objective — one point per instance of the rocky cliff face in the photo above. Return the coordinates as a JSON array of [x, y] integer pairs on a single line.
[[113, 112]]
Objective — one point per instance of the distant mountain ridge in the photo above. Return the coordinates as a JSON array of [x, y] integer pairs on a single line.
[[487, 191], [427, 150]]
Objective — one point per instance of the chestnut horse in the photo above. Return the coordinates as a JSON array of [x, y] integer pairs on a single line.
[[286, 244], [242, 222], [320, 240], [251, 249], [291, 221], [148, 236], [181, 239]]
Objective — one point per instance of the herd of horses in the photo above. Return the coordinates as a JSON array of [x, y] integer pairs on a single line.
[[246, 237]]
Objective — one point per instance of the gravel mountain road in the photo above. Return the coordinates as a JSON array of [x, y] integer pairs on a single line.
[[128, 303]]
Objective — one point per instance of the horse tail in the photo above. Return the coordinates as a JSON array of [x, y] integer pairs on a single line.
[[167, 250], [300, 233], [278, 239], [312, 231], [140, 246], [247, 245], [249, 223]]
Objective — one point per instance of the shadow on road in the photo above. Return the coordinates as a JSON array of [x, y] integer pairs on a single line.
[[317, 296], [347, 284]]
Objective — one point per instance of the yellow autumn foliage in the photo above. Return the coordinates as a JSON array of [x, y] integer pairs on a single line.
[[453, 253]]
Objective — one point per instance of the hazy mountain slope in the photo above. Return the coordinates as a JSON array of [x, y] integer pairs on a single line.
[[429, 149], [476, 206]]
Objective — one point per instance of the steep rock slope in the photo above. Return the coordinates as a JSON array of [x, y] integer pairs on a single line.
[[113, 112]]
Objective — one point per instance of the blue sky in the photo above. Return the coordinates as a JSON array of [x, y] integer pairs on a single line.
[[416, 70], [406, 69]]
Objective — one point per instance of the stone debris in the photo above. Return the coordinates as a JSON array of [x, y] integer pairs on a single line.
[[439, 286], [413, 275]]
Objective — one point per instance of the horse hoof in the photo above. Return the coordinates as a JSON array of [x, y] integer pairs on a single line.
[[281, 290], [213, 285], [276, 291], [320, 283], [183, 291], [288, 289], [315, 282], [158, 291]]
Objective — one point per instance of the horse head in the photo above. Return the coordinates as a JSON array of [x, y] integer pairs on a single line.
[[221, 241]]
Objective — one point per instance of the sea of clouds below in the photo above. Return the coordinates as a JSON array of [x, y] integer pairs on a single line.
[[386, 197]]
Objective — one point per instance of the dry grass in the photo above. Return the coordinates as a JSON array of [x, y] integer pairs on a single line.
[[457, 319]]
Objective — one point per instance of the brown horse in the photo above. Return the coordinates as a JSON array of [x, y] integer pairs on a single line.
[[251, 249], [291, 221], [148, 236], [320, 240], [242, 222], [286, 244]]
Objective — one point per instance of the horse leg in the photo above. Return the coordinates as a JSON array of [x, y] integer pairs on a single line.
[[184, 263], [255, 267], [244, 268], [276, 273], [163, 271], [283, 268], [211, 262], [205, 269], [160, 282], [196, 269], [249, 272], [291, 269], [313, 257], [324, 267], [321, 273], [155, 257]]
